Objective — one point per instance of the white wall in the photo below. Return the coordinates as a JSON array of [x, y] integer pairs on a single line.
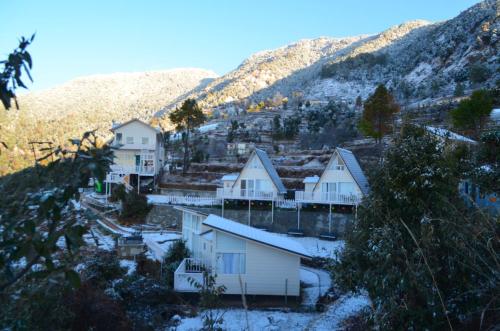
[[267, 271], [125, 156], [331, 175], [137, 131], [249, 172]]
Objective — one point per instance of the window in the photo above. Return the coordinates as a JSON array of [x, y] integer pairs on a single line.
[[119, 137], [255, 164], [230, 263], [130, 140], [145, 140]]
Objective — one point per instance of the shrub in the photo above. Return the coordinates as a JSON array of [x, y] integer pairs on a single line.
[[135, 207], [426, 262], [479, 73], [175, 254]]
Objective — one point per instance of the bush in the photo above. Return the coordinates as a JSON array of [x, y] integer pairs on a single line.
[[102, 268], [479, 73], [118, 193], [175, 254], [135, 207]]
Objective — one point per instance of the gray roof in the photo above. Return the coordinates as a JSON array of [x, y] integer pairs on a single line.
[[268, 165], [250, 233], [353, 166]]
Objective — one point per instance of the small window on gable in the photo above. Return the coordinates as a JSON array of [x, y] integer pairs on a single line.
[[145, 140], [255, 163], [130, 140], [119, 137]]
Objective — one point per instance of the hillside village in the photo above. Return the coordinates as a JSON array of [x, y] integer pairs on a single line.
[[331, 184]]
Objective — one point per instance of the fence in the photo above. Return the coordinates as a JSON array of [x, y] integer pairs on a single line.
[[183, 200]]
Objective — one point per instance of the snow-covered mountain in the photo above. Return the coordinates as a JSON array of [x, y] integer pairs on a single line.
[[417, 59], [87, 103]]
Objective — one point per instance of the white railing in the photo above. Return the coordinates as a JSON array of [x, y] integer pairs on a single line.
[[286, 203], [189, 273], [157, 199], [245, 194], [327, 197], [142, 170]]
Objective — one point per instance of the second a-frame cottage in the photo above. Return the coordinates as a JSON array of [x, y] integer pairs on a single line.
[[257, 181], [342, 182]]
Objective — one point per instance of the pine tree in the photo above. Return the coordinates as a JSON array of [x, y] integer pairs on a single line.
[[425, 260], [472, 113], [378, 113], [186, 119]]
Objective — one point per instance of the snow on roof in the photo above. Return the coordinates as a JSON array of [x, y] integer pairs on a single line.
[[443, 133], [208, 127], [232, 176], [354, 168], [260, 236], [268, 165], [311, 180]]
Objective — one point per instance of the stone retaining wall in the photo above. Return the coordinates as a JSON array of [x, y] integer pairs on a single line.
[[313, 223]]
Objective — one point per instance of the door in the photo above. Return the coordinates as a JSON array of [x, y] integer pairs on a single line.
[[137, 163], [328, 191]]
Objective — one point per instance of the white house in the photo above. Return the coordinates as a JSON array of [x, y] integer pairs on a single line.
[[342, 182], [266, 263], [139, 153], [257, 181]]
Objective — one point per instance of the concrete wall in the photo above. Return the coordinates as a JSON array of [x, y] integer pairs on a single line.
[[312, 223]]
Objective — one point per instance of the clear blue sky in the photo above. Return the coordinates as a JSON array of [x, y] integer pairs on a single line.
[[76, 38]]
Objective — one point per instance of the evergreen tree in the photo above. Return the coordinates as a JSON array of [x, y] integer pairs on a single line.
[[359, 102], [472, 113], [426, 262], [378, 113], [186, 119], [459, 90]]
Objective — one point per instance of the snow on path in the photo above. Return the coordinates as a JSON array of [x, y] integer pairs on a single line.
[[129, 265], [318, 283], [345, 307]]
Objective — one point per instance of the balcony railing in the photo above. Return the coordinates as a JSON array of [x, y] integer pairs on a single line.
[[142, 170], [245, 194], [188, 274], [327, 198]]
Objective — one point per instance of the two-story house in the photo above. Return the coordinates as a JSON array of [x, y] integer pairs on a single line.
[[342, 182], [139, 153], [258, 180], [244, 259]]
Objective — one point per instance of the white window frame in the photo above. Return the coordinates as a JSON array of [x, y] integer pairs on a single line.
[[145, 140], [129, 140]]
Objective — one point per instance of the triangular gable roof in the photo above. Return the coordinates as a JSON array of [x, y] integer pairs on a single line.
[[134, 120], [352, 166], [268, 166], [262, 237]]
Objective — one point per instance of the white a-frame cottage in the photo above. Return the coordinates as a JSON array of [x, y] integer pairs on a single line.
[[342, 182], [244, 259], [257, 181]]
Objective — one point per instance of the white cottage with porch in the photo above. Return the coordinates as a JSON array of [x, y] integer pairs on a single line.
[[342, 182], [257, 181], [266, 263], [139, 153]]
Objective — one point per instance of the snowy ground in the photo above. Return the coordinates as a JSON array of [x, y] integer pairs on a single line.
[[317, 282], [129, 265], [235, 319]]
